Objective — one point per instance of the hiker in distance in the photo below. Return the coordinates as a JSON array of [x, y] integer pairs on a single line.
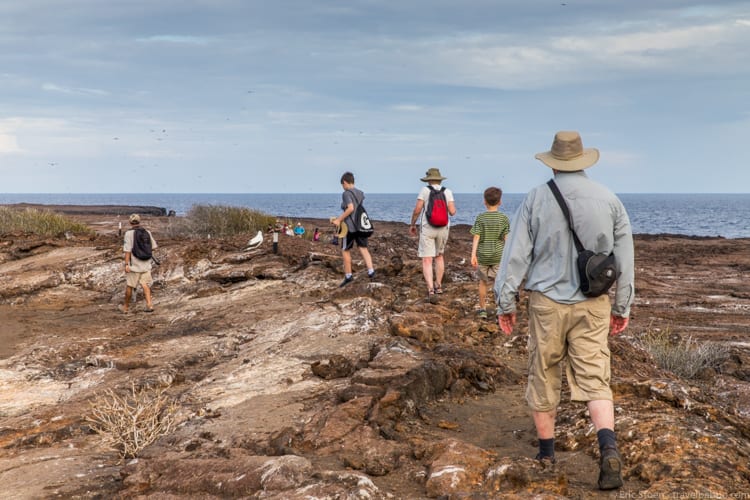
[[358, 228], [138, 245], [434, 205], [564, 323]]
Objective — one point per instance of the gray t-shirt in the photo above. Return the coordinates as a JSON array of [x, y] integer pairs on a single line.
[[354, 197]]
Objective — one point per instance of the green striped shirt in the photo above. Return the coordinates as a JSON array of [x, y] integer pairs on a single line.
[[492, 228]]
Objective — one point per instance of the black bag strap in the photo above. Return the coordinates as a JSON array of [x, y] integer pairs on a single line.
[[564, 206], [358, 199]]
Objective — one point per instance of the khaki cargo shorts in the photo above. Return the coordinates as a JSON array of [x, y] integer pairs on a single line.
[[487, 273], [134, 279], [575, 335], [432, 240]]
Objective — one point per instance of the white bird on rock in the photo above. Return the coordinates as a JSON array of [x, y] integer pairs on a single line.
[[255, 241]]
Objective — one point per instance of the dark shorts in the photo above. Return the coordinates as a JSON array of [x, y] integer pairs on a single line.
[[347, 242]]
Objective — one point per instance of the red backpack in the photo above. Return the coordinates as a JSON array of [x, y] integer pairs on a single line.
[[437, 208]]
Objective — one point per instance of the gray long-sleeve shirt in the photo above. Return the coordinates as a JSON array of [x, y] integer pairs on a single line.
[[541, 247]]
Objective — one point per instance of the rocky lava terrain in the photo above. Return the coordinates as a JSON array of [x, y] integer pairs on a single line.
[[288, 387]]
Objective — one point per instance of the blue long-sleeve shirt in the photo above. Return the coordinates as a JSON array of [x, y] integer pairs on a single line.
[[541, 247]]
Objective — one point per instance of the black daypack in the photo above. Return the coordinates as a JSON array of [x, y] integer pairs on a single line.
[[437, 208], [141, 244], [362, 222]]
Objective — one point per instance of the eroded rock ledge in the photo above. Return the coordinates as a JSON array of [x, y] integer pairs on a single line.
[[289, 387]]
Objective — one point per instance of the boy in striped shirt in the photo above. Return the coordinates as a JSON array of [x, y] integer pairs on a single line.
[[490, 231]]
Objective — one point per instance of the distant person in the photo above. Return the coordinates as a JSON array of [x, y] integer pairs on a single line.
[[434, 229], [138, 244], [564, 324], [490, 230], [316, 234], [350, 199], [299, 230]]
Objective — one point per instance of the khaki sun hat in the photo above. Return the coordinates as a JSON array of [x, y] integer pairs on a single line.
[[567, 153], [432, 174], [135, 219], [342, 228]]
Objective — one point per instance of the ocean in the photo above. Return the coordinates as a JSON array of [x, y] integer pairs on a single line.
[[726, 215]]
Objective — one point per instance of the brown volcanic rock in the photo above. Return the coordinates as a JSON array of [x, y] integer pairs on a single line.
[[289, 387]]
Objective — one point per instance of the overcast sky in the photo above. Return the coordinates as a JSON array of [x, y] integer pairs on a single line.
[[285, 95]]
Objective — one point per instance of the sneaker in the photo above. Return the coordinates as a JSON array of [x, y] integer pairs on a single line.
[[371, 275], [610, 469], [346, 281], [482, 314]]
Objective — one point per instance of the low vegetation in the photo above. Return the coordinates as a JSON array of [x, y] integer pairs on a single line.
[[205, 221], [131, 422], [41, 222], [683, 356]]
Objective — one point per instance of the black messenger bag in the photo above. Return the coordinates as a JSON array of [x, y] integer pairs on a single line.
[[598, 271]]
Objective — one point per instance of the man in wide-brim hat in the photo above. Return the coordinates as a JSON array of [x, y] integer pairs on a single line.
[[432, 238], [564, 324]]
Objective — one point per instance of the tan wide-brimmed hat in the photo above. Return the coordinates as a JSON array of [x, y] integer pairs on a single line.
[[432, 174], [567, 153], [341, 229]]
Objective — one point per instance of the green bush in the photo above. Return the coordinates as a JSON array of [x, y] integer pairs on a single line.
[[42, 222], [685, 357], [219, 221]]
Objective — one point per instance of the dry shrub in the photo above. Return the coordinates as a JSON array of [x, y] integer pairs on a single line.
[[41, 222], [685, 357], [219, 221], [131, 422]]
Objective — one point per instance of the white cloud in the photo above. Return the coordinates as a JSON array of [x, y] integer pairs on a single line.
[[51, 87], [176, 39], [407, 107], [8, 144]]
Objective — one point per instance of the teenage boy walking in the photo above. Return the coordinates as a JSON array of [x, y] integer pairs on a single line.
[[351, 198], [490, 230]]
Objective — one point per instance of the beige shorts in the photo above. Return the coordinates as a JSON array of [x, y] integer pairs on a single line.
[[576, 333], [135, 279], [487, 273], [432, 240]]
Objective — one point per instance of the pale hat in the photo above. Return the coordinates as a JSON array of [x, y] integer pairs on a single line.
[[432, 174], [135, 219], [567, 153], [342, 228]]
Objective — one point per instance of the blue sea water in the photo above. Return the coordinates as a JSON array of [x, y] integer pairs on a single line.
[[726, 215]]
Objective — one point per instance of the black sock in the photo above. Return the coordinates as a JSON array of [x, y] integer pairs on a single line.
[[547, 447], [606, 439]]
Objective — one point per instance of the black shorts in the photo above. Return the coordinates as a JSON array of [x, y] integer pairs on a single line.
[[347, 242]]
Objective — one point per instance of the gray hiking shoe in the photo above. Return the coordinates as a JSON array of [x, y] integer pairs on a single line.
[[610, 469]]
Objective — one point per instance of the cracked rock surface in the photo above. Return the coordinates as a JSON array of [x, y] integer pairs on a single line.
[[289, 387]]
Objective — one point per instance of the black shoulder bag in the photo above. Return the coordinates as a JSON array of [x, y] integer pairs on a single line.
[[597, 270]]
